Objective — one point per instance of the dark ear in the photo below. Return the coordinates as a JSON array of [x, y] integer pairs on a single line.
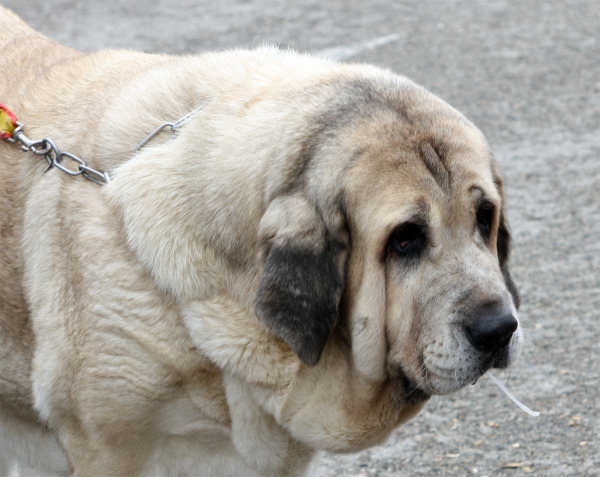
[[302, 279]]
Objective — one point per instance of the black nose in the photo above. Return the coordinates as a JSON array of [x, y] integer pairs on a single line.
[[491, 330]]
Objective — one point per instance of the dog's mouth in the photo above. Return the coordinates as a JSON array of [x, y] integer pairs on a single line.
[[446, 376], [445, 381], [406, 391], [442, 382], [501, 359]]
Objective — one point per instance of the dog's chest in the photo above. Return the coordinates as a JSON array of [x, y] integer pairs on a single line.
[[193, 437], [192, 444], [201, 433], [201, 454]]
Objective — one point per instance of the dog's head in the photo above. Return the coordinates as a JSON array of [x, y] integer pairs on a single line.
[[395, 235]]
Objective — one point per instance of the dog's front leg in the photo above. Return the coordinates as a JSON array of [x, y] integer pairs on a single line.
[[257, 370], [258, 438]]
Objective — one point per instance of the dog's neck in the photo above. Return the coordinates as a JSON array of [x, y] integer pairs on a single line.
[[185, 214], [191, 201]]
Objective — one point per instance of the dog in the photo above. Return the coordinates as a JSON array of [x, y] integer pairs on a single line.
[[315, 252]]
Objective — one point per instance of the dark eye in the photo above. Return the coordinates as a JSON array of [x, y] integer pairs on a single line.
[[408, 240], [485, 217]]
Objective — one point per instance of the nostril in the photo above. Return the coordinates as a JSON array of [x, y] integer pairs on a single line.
[[491, 331]]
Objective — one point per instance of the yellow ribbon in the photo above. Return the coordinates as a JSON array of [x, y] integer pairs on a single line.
[[7, 123]]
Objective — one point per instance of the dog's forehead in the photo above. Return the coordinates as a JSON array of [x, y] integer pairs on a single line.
[[395, 178]]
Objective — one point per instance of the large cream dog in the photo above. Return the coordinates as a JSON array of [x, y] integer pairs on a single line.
[[299, 267]]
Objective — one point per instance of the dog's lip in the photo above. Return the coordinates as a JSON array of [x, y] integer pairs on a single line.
[[449, 376], [407, 391], [440, 373], [501, 359]]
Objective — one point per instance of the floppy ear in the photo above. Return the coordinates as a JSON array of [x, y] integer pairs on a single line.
[[303, 276]]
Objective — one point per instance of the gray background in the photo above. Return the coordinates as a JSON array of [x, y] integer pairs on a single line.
[[528, 73]]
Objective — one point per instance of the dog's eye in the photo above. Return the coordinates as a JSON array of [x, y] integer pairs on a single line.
[[408, 240], [485, 217]]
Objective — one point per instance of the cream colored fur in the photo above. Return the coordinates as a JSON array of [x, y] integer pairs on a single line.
[[130, 345]]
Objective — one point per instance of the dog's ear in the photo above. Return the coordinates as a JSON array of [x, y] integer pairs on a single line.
[[503, 241], [302, 278]]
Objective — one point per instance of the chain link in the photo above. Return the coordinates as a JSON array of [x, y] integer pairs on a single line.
[[48, 149]]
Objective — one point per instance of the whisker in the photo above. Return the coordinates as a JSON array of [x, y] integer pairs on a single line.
[[534, 331]]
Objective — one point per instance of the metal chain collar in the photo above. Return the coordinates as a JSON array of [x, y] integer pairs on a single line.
[[169, 124], [48, 149]]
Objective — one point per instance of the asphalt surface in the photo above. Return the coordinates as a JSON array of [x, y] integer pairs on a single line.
[[528, 73]]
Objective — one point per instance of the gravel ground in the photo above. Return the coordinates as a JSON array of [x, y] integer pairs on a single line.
[[528, 73]]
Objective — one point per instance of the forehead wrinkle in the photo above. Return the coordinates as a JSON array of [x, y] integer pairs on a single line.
[[436, 166]]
